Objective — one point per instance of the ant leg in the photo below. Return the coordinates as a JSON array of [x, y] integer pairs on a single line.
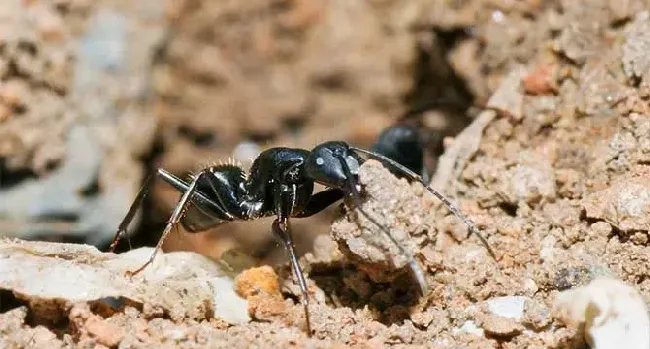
[[284, 199], [175, 182], [282, 230], [121, 230], [413, 176], [320, 201], [174, 219]]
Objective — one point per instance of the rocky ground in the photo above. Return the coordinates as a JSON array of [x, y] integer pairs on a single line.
[[549, 157]]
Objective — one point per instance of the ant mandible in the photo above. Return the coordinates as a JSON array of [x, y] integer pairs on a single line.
[[280, 183]]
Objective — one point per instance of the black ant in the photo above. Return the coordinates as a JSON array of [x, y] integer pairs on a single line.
[[281, 184]]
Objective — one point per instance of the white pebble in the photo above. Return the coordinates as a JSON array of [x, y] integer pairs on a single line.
[[508, 307]]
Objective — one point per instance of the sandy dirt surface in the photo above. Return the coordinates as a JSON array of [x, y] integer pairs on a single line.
[[361, 293], [553, 169]]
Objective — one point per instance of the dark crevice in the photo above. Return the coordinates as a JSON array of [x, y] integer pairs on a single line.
[[9, 302], [344, 282], [509, 208], [11, 177], [56, 321], [438, 87]]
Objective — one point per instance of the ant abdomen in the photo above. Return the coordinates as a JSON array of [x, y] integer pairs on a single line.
[[403, 144], [225, 186]]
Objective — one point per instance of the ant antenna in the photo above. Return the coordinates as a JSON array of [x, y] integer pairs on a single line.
[[455, 210], [415, 267]]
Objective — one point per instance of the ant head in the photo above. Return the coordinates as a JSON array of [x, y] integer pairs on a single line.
[[334, 164]]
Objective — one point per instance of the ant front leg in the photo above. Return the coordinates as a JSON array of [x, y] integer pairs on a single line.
[[320, 201], [284, 199], [282, 230], [174, 219]]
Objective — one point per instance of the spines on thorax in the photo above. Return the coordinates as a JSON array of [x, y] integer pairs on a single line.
[[228, 164]]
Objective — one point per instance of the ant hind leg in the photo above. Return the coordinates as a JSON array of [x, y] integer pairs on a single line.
[[173, 220], [121, 230], [177, 183]]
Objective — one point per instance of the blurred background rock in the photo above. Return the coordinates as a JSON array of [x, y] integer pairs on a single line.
[[94, 95]]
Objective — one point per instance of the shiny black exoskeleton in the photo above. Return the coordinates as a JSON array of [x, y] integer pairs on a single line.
[[402, 143], [280, 183]]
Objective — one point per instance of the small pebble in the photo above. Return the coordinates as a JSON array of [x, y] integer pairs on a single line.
[[251, 281], [508, 307], [540, 81], [536, 315], [470, 327]]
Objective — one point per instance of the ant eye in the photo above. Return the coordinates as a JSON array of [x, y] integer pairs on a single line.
[[320, 161]]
